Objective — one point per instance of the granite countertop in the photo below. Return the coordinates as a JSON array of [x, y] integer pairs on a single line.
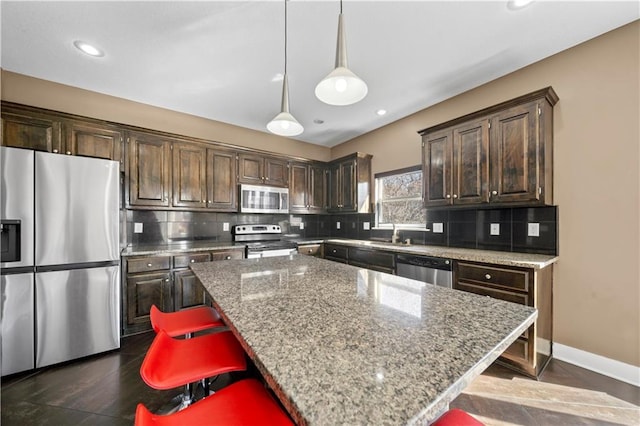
[[525, 260], [179, 247], [346, 345]]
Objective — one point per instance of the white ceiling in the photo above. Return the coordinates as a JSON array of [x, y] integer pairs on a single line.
[[218, 59]]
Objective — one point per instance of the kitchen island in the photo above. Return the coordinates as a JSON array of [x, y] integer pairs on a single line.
[[345, 345]]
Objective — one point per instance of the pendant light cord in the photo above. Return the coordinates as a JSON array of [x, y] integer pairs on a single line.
[[285, 37], [340, 7]]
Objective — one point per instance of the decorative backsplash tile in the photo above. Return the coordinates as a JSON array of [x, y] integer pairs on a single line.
[[503, 229]]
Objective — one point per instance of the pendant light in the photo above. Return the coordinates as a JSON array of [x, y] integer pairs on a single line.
[[284, 124], [341, 86]]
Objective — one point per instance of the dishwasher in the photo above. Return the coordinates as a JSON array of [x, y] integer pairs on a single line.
[[431, 270]]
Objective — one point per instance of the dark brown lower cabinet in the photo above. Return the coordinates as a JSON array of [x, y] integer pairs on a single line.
[[143, 291], [188, 291], [376, 260], [165, 281], [532, 351]]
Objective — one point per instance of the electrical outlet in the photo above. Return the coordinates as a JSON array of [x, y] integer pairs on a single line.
[[366, 226], [337, 225], [225, 226], [438, 228], [301, 225], [533, 229], [495, 229], [137, 228]]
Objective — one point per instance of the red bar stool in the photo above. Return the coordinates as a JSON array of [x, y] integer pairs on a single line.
[[185, 322], [171, 363], [244, 403], [454, 417]]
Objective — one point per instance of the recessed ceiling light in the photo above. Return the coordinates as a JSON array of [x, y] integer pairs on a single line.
[[87, 48], [381, 112], [518, 4]]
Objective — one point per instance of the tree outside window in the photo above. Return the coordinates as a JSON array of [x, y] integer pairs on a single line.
[[399, 198]]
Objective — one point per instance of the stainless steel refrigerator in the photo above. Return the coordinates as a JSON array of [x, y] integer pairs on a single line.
[[60, 258]]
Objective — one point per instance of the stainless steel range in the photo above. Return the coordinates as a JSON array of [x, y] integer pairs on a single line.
[[263, 241]]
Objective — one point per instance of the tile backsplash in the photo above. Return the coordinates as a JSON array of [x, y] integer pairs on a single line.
[[504, 229], [163, 227]]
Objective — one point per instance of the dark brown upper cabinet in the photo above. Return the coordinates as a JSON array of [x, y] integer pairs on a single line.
[[350, 184], [307, 188], [32, 130], [189, 175], [221, 180], [518, 166], [93, 140], [317, 198], [501, 155], [259, 169], [149, 170], [49, 131], [436, 168], [455, 167]]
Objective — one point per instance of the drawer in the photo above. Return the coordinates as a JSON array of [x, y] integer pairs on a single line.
[[310, 249], [227, 254], [145, 264], [372, 257], [337, 252], [372, 267], [185, 260], [509, 278], [509, 296]]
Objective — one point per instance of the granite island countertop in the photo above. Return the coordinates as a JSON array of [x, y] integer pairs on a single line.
[[524, 260], [345, 345]]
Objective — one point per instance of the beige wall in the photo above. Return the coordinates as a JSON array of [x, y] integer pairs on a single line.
[[596, 181], [59, 97]]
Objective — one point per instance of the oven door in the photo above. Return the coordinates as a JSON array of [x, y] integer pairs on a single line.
[[263, 199]]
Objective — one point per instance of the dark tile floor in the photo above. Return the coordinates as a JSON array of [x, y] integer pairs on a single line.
[[105, 389]]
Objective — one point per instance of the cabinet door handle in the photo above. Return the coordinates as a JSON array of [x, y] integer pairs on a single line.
[[494, 192], [149, 265], [210, 202], [166, 198], [487, 276], [193, 261], [55, 151], [310, 250], [228, 258], [455, 195], [68, 152], [448, 196], [166, 280], [266, 178]]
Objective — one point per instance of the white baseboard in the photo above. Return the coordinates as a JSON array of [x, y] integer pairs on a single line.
[[609, 367]]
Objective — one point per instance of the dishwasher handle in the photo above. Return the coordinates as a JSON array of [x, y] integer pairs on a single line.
[[425, 261]]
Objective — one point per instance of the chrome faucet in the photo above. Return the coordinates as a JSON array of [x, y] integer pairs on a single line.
[[395, 237]]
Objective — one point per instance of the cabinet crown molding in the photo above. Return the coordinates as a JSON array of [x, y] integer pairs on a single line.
[[547, 93]]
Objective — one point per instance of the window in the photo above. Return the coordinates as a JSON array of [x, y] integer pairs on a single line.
[[399, 198]]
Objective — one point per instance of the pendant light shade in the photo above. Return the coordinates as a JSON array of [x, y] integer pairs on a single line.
[[284, 124], [341, 86]]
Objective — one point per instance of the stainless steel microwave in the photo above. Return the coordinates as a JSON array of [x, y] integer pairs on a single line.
[[263, 199]]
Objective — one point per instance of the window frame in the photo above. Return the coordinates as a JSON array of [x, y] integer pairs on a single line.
[[377, 203]]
